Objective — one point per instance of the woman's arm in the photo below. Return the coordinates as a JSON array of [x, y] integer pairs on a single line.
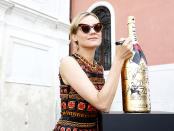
[[71, 72]]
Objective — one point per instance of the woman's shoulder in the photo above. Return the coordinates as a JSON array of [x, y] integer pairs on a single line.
[[65, 63], [67, 60]]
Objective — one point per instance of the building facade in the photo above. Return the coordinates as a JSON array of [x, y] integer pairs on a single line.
[[34, 36], [154, 29]]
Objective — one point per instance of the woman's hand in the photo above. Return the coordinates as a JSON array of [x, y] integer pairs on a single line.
[[124, 51]]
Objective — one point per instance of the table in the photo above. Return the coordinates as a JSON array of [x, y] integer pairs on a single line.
[[154, 121]]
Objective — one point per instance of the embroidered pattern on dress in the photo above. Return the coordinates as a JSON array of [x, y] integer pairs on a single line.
[[71, 113], [76, 113], [76, 124]]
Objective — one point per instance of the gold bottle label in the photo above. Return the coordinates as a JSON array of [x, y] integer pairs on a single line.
[[134, 74]]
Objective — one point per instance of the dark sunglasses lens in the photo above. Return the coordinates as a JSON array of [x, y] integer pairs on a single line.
[[85, 28], [98, 27]]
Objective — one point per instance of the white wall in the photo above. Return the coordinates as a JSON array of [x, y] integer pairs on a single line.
[[34, 36], [162, 83]]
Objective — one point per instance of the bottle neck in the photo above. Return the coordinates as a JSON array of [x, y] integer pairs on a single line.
[[132, 32]]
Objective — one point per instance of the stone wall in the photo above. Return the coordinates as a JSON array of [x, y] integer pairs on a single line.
[[34, 36]]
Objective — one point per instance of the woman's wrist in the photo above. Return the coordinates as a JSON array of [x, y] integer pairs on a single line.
[[118, 60]]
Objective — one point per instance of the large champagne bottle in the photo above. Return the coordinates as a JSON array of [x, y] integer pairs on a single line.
[[134, 75]]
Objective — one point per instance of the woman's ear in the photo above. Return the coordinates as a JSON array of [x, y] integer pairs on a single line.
[[74, 37], [75, 41]]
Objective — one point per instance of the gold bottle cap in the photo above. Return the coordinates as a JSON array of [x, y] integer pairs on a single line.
[[131, 19]]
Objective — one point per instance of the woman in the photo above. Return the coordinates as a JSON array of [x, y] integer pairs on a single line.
[[83, 91]]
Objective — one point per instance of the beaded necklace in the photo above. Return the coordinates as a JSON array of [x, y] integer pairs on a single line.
[[94, 67]]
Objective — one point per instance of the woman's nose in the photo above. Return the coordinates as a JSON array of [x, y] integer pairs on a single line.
[[92, 30]]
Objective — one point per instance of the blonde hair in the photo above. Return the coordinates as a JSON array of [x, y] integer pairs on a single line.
[[76, 21]]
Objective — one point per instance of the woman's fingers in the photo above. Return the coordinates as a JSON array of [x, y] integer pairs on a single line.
[[127, 41], [122, 39], [125, 50], [130, 46]]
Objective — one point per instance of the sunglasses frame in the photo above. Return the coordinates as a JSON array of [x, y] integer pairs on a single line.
[[80, 25]]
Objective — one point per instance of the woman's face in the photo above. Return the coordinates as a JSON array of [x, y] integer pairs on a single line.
[[92, 39]]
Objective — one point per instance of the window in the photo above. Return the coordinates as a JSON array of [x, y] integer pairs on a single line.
[[103, 52]]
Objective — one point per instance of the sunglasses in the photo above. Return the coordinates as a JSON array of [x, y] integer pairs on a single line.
[[86, 28]]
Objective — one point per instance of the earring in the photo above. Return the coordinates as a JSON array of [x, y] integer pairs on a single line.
[[77, 45]]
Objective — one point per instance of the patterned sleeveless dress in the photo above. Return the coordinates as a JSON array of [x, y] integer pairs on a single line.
[[76, 113]]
